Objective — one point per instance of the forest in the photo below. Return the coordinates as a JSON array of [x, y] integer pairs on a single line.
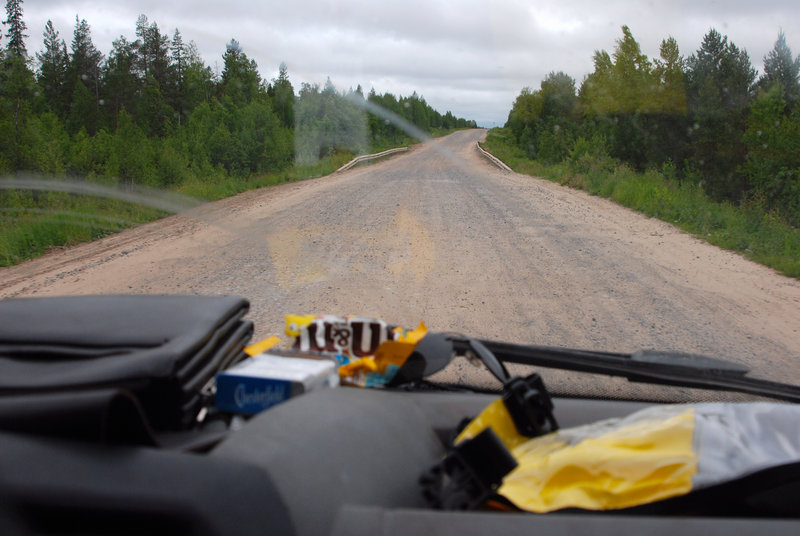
[[708, 120], [149, 117], [151, 112]]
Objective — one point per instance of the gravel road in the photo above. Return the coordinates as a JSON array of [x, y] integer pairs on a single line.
[[439, 234]]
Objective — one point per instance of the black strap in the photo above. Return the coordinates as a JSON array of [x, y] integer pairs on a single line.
[[530, 406], [473, 469], [469, 474]]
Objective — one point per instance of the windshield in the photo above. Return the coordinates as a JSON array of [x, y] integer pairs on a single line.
[[652, 200]]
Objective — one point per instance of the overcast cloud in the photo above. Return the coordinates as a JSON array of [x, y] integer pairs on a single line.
[[469, 57]]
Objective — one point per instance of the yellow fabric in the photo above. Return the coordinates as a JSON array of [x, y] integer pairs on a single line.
[[261, 346], [496, 416], [595, 468]]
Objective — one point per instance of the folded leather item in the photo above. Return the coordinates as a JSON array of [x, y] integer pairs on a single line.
[[114, 367]]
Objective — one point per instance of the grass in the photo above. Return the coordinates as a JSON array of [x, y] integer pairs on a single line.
[[31, 223], [749, 229], [211, 190]]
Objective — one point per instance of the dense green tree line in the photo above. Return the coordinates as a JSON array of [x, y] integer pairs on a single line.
[[708, 118], [152, 112]]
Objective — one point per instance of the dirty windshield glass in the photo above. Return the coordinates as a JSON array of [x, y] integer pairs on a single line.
[[606, 177]]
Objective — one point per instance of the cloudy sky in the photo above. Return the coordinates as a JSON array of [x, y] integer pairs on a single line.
[[469, 56]]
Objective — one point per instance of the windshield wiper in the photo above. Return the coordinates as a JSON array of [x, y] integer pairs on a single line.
[[647, 366]]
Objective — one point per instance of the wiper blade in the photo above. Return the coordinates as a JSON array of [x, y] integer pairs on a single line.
[[647, 366]]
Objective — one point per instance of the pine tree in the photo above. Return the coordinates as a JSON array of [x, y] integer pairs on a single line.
[[83, 113], [198, 80], [178, 55], [780, 67], [618, 96], [52, 75], [240, 79], [143, 62], [282, 94], [16, 93], [84, 68], [152, 59], [667, 124], [153, 114], [176, 94], [16, 29], [16, 89], [153, 51], [670, 73], [720, 81], [121, 85]]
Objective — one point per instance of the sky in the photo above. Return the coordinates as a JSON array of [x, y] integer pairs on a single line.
[[471, 57]]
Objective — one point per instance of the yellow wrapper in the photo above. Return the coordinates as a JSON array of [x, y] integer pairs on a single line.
[[596, 467]]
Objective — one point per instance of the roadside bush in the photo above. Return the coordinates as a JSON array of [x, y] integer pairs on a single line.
[[759, 233], [590, 155]]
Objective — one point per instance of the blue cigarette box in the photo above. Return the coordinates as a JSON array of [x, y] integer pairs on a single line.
[[262, 381]]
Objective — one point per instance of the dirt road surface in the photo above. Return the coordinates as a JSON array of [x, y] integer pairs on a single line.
[[439, 234]]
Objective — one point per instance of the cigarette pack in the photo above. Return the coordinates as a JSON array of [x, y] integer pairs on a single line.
[[262, 381]]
